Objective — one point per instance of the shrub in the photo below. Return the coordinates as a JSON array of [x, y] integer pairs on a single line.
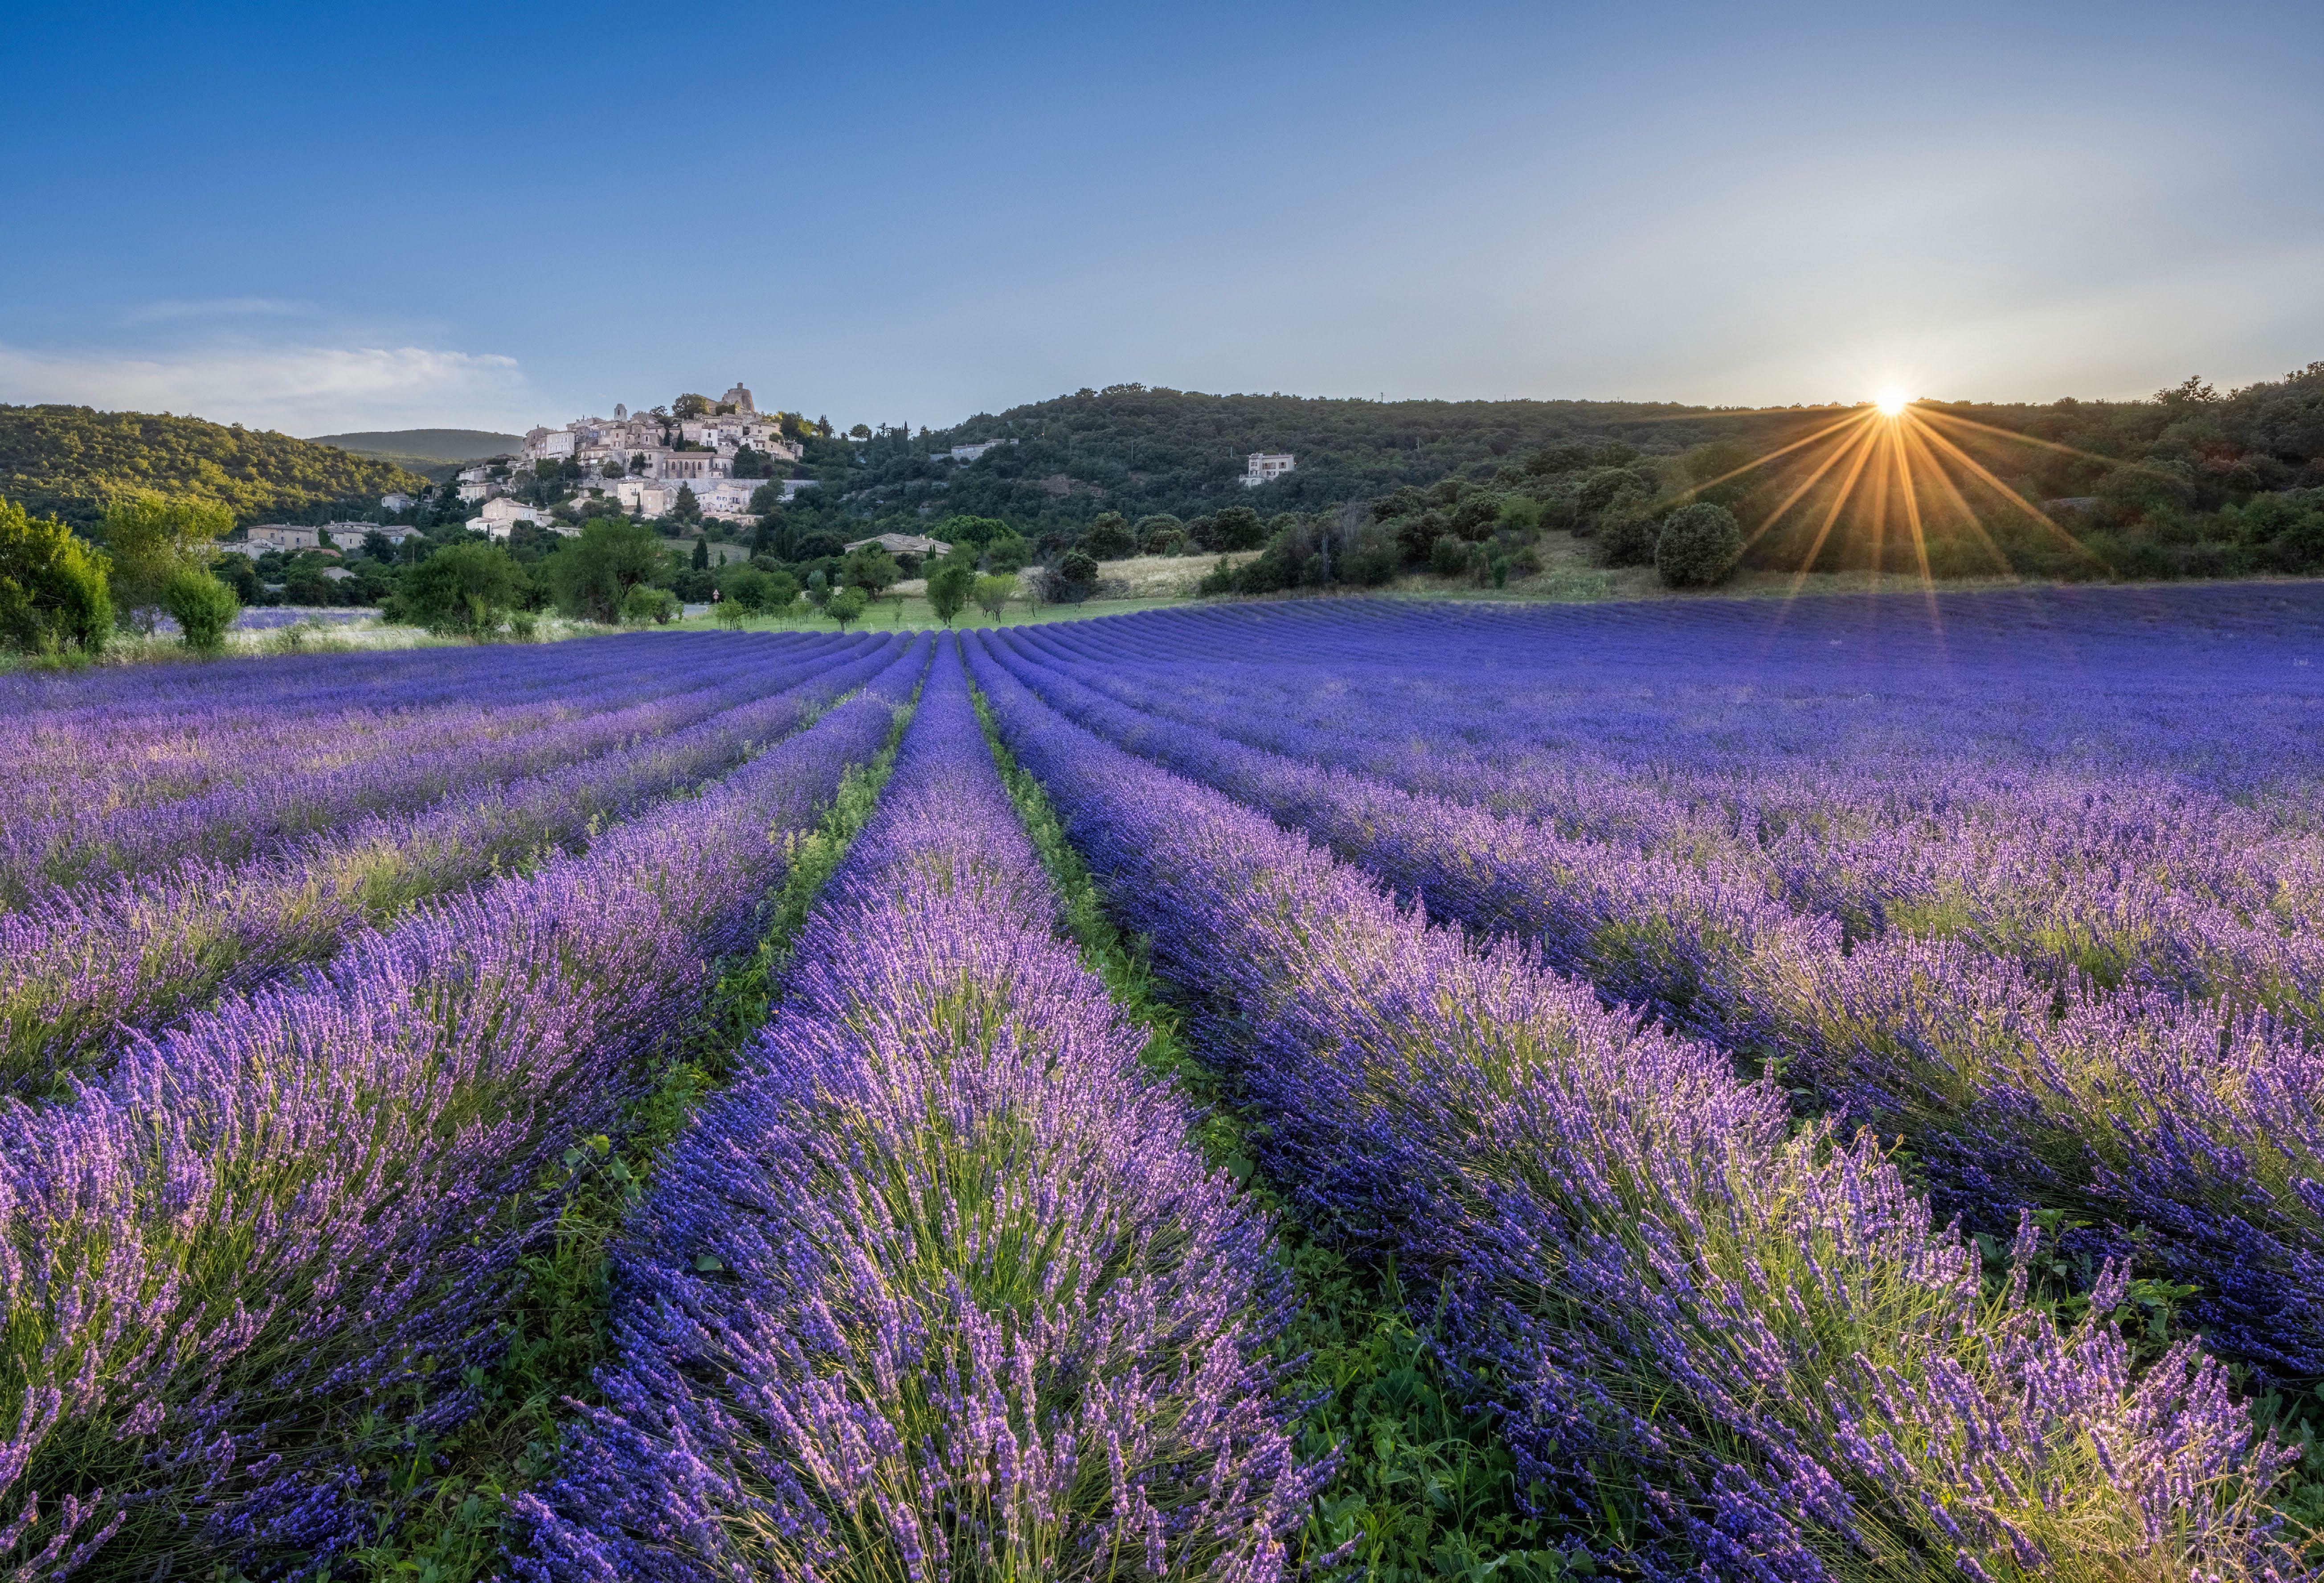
[[951, 582], [846, 604], [461, 591], [1109, 539], [645, 603], [1073, 579], [1698, 546], [731, 613], [1160, 534], [1449, 556], [1627, 536], [53, 592], [202, 606], [993, 594]]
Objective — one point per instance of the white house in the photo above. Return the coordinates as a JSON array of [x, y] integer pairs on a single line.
[[501, 515], [396, 501], [658, 497], [970, 452], [1265, 467], [285, 536]]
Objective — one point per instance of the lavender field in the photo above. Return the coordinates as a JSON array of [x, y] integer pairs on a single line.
[[1737, 1090]]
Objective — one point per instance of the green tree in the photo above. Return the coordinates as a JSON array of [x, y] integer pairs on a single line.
[[690, 406], [688, 510], [591, 573], [53, 592], [846, 604], [1073, 579], [1109, 537], [952, 582], [645, 603], [151, 537], [872, 569], [1698, 546], [701, 558], [461, 591], [202, 606], [993, 594], [1008, 554]]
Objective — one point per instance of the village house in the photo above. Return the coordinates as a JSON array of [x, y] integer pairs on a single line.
[[268, 536], [499, 516], [396, 501], [1265, 467], [917, 546]]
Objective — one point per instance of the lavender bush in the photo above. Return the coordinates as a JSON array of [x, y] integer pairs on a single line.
[[1768, 1328], [308, 1202], [939, 1288]]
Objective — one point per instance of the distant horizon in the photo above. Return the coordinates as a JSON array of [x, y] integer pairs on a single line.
[[516, 429]]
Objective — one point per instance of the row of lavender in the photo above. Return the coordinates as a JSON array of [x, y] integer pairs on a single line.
[[149, 734], [307, 1204], [1758, 1334], [313, 773], [2190, 1120], [82, 967], [938, 1288], [2127, 874]]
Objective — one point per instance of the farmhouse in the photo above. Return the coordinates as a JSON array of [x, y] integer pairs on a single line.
[[502, 515], [1265, 467], [905, 544], [285, 536]]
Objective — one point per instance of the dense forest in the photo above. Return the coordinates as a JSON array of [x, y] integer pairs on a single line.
[[2191, 482], [67, 462], [1141, 452]]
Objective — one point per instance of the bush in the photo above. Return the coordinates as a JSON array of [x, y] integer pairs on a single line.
[[1109, 539], [1372, 563], [53, 592], [1008, 554], [731, 613], [1628, 537], [202, 606], [460, 591], [593, 573], [951, 582], [1160, 527], [1449, 556], [993, 594], [1073, 579], [846, 604], [645, 603], [1698, 546]]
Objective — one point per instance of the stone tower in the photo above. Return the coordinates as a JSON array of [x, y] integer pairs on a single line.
[[739, 398]]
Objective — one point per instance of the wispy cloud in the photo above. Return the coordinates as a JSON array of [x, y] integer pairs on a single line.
[[298, 389], [176, 311]]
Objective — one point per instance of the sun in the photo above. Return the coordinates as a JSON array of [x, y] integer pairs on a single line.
[[1892, 402]]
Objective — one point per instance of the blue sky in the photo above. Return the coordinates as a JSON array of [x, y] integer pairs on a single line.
[[319, 218]]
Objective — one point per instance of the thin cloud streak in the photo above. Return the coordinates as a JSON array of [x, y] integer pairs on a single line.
[[171, 311]]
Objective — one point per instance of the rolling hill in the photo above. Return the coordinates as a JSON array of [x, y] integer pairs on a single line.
[[433, 452], [67, 460]]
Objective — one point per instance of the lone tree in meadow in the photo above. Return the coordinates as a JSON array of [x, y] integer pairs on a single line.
[[1698, 546], [951, 582], [993, 594]]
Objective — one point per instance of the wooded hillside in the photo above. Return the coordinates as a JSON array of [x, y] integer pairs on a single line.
[[67, 460]]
